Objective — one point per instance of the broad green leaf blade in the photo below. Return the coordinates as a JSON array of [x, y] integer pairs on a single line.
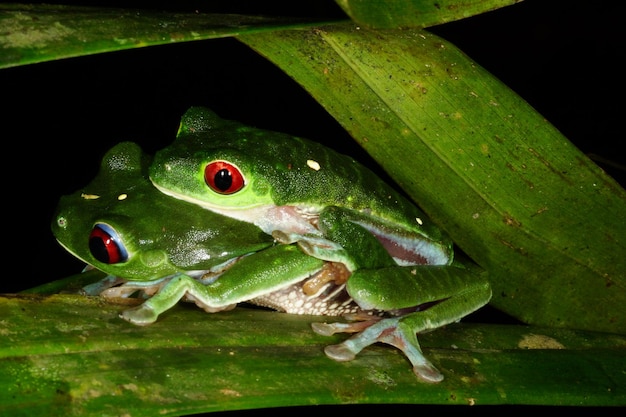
[[37, 33], [415, 13], [71, 355], [545, 222]]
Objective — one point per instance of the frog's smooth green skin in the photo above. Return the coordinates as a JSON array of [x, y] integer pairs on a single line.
[[336, 210], [285, 184], [414, 299], [120, 224], [165, 247], [442, 294]]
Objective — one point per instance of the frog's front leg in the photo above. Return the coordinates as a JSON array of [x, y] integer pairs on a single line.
[[251, 276], [424, 297], [342, 240]]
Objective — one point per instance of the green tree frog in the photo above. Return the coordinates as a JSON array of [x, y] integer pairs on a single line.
[[336, 210], [151, 243], [285, 185]]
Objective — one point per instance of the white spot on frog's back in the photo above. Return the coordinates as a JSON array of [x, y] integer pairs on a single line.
[[314, 165]]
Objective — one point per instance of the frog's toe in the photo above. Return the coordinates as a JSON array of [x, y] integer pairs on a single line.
[[141, 316], [324, 329], [340, 352], [329, 329], [405, 339], [427, 372], [285, 237]]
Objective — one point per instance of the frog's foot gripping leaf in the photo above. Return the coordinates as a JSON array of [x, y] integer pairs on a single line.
[[437, 306], [394, 331], [169, 292]]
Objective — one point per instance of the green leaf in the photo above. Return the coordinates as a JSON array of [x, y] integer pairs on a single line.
[[37, 33], [415, 13], [514, 194], [72, 355]]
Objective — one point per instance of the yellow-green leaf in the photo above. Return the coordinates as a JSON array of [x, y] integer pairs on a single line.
[[415, 13], [546, 223], [37, 33]]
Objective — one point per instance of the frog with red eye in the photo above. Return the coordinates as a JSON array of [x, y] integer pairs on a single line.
[[335, 210], [170, 250]]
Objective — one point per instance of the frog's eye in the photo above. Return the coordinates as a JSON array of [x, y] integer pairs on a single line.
[[106, 246], [223, 177]]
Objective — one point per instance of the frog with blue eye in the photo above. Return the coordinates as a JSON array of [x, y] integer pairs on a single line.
[[335, 210]]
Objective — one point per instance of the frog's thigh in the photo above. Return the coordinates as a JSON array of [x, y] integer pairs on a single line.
[[398, 287]]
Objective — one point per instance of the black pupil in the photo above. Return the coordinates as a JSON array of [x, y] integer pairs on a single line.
[[98, 249], [223, 179]]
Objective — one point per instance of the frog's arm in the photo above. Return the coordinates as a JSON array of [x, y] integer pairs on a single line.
[[250, 277], [348, 239]]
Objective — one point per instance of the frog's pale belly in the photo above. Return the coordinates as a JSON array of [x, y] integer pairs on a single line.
[[323, 294], [333, 300]]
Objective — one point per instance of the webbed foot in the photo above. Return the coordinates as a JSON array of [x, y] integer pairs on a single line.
[[391, 331]]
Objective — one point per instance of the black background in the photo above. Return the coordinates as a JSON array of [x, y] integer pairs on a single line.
[[59, 118]]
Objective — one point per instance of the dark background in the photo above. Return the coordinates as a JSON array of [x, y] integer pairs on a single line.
[[59, 118]]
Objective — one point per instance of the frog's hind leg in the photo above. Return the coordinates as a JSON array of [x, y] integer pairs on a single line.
[[444, 300], [396, 331]]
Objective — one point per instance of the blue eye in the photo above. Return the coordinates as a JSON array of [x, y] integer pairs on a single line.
[[106, 246]]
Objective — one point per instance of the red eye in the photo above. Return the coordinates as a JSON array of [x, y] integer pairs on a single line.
[[223, 177], [106, 246]]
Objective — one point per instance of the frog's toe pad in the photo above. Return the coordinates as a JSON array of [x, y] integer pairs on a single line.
[[340, 352], [324, 329], [428, 373], [141, 316]]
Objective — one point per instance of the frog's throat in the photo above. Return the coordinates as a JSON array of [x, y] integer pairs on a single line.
[[264, 216]]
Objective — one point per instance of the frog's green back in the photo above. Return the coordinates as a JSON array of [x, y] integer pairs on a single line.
[[162, 235], [279, 169]]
